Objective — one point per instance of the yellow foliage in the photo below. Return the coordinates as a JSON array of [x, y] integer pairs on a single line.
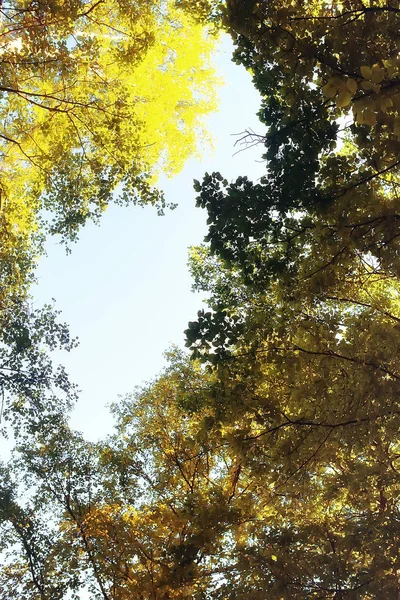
[[114, 95]]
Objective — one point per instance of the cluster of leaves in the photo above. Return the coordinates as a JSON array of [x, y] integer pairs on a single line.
[[96, 99], [255, 479], [31, 386], [269, 465], [142, 514], [306, 260], [332, 167]]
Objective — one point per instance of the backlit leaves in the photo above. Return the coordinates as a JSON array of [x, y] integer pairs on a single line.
[[96, 100]]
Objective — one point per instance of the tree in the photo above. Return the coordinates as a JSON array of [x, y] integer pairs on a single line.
[[96, 99], [330, 103], [31, 386], [215, 485], [141, 515], [269, 465], [302, 268], [306, 394]]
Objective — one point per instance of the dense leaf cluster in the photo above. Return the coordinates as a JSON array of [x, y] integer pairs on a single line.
[[268, 465], [97, 98]]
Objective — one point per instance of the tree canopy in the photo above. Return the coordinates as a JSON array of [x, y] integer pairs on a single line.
[[267, 465], [330, 103], [96, 99], [302, 272]]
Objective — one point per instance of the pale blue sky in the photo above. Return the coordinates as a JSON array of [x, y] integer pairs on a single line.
[[125, 289]]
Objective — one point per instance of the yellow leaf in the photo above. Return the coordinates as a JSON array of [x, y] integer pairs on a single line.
[[367, 85], [343, 99], [351, 85], [366, 72], [396, 101], [329, 90], [377, 74], [338, 82]]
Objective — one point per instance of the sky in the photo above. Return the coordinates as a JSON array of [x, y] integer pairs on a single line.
[[125, 290]]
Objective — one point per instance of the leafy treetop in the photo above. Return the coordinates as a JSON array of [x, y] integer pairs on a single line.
[[97, 98]]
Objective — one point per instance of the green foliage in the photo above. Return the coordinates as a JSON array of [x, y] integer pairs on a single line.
[[331, 180], [268, 466], [31, 385], [134, 516]]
